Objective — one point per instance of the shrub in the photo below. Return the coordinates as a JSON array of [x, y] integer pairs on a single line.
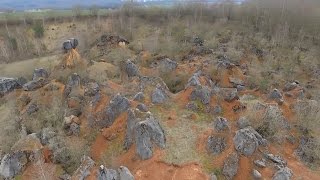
[[46, 117], [38, 30], [13, 42], [10, 126]]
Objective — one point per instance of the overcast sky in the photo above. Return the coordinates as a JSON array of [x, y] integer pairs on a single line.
[[31, 4]]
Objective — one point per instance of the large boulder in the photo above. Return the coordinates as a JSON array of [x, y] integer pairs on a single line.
[[124, 173], [243, 122], [145, 131], [118, 105], [194, 80], [139, 97], [276, 159], [201, 93], [34, 84], [8, 85], [247, 140], [142, 107], [283, 174], [69, 44], [230, 167], [13, 164], [256, 174], [131, 123], [106, 40], [159, 96], [291, 86], [276, 95], [74, 82], [221, 124], [31, 108], [260, 163], [107, 174], [131, 69], [91, 88], [148, 132], [84, 170], [229, 94], [216, 144], [167, 64], [40, 73]]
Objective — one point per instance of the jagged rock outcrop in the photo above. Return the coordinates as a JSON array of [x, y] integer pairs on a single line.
[[39, 79], [291, 86], [13, 164], [159, 95], [230, 167], [194, 80], [91, 88], [139, 97], [39, 73], [221, 124], [201, 93], [256, 174], [145, 131], [276, 159], [107, 40], [131, 123], [243, 122], [107, 174], [260, 163], [142, 107], [154, 82], [283, 174], [148, 132], [276, 95], [8, 85], [84, 170], [247, 140], [74, 82], [168, 65], [131, 69], [122, 173], [216, 144], [31, 108], [117, 105], [71, 43], [229, 94], [34, 84]]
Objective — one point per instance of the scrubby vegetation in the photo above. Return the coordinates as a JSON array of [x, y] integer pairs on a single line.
[[231, 57]]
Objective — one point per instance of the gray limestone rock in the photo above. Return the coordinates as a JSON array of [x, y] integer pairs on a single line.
[[230, 167]]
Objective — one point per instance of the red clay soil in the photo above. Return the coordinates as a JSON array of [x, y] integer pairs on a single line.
[[117, 130], [182, 98], [98, 147], [245, 168]]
